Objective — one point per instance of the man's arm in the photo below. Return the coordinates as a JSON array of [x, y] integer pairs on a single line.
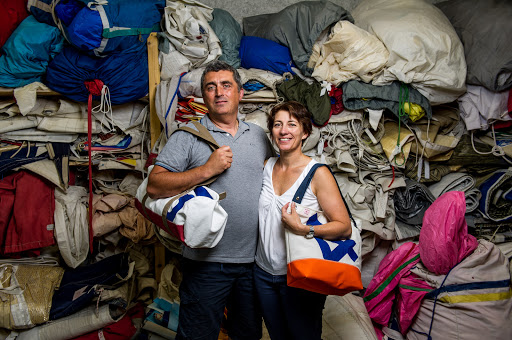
[[164, 183]]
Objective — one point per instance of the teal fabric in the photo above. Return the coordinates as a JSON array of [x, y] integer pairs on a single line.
[[229, 33], [27, 53]]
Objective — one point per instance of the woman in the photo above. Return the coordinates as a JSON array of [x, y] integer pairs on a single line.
[[292, 313]]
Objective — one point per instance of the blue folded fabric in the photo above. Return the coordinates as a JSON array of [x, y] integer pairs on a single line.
[[265, 54], [125, 74]]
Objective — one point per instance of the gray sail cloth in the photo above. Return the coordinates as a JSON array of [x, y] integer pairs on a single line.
[[229, 32], [358, 95], [484, 26], [82, 322], [458, 181], [472, 199], [412, 201], [455, 181], [297, 27]]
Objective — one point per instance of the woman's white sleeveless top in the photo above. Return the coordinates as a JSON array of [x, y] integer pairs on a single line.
[[271, 251]]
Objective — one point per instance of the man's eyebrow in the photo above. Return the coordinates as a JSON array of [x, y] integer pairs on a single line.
[[224, 82], [210, 83]]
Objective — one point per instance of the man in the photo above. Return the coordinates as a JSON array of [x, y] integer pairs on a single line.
[[213, 276]]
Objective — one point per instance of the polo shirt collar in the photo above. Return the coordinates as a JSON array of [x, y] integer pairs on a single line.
[[207, 122]]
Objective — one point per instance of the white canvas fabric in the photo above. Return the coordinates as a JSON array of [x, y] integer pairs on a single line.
[[350, 53], [17, 123], [299, 248], [173, 63], [68, 124], [8, 108], [259, 118], [71, 225], [186, 26], [35, 135], [166, 104], [267, 78], [424, 49], [26, 96], [190, 84], [346, 317]]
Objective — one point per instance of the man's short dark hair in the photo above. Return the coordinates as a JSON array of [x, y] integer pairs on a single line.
[[216, 66]]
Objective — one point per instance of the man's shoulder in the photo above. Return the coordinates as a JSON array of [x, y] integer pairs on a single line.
[[254, 128]]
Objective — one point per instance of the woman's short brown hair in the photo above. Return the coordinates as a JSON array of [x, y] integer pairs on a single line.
[[297, 111]]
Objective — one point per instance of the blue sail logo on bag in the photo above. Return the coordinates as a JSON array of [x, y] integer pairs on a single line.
[[343, 247]]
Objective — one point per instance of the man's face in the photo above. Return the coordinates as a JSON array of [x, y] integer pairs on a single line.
[[220, 93]]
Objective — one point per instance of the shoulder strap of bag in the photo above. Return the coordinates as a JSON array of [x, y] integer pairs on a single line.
[[202, 133], [299, 194]]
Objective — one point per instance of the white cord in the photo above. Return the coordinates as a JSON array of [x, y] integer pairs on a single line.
[[105, 107], [496, 149]]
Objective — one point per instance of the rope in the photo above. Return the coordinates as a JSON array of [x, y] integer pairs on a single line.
[[105, 107], [95, 88], [496, 149]]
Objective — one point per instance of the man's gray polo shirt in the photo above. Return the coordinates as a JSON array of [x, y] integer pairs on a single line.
[[242, 182]]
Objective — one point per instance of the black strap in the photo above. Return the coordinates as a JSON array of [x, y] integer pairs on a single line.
[[299, 194]]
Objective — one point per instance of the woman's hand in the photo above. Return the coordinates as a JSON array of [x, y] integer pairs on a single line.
[[291, 220]]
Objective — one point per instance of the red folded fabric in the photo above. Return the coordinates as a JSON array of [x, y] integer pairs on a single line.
[[27, 205]]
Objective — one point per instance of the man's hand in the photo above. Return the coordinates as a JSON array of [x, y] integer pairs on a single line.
[[220, 160]]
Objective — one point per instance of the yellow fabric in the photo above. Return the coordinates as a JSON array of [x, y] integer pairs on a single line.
[[38, 284], [477, 297], [415, 111]]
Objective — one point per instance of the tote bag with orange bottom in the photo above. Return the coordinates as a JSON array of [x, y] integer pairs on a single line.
[[318, 265]]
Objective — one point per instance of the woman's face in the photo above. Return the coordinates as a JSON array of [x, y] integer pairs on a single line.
[[287, 132]]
